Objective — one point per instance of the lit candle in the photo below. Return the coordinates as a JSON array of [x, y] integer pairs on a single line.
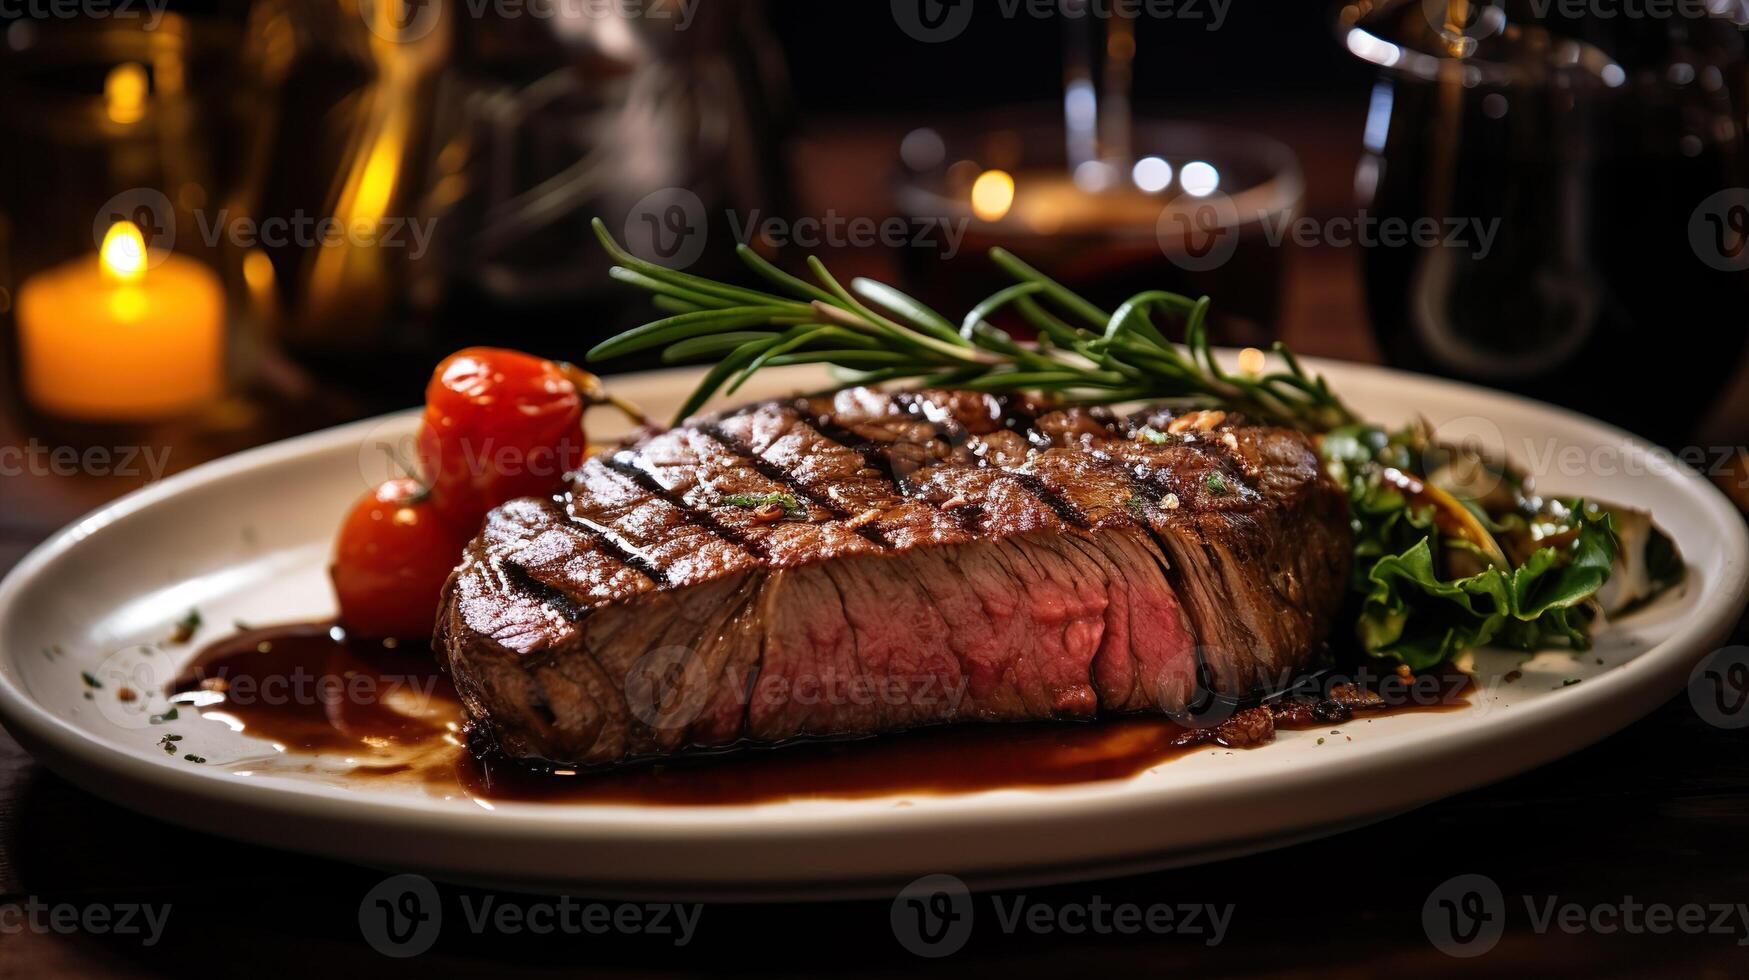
[[124, 335]]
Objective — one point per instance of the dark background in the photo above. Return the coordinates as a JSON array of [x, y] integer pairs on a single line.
[[849, 56], [1658, 812]]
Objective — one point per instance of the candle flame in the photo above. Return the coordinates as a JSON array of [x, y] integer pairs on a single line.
[[1252, 361], [992, 195], [123, 255], [124, 93]]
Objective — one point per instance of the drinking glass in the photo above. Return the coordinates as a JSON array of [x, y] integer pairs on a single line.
[[1596, 169]]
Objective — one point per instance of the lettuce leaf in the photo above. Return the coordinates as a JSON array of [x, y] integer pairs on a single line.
[[1414, 616]]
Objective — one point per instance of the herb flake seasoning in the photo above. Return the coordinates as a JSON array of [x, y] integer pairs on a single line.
[[1217, 485], [186, 627], [756, 501]]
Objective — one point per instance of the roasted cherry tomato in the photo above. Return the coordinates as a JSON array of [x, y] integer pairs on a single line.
[[498, 425], [393, 555]]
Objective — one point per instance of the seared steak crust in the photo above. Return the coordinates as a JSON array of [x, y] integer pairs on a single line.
[[951, 556]]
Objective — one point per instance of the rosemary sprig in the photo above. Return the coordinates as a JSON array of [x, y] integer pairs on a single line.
[[1084, 355]]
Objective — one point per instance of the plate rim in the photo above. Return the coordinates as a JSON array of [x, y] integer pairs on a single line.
[[1623, 694]]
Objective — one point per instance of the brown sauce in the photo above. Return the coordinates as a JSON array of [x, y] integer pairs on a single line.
[[309, 688]]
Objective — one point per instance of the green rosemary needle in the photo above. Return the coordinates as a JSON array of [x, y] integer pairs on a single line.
[[1084, 354]]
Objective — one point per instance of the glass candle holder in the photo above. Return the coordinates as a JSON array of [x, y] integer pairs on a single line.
[[116, 290]]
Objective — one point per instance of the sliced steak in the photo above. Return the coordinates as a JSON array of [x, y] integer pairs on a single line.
[[936, 557]]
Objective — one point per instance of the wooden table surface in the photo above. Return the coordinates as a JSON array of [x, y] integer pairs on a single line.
[[1656, 814]]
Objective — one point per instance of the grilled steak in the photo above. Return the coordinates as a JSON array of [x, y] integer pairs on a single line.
[[868, 562]]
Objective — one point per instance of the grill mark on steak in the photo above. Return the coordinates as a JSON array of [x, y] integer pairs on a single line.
[[872, 453], [913, 509], [790, 438], [549, 597], [779, 475], [931, 445], [651, 526], [626, 462], [615, 545], [1068, 512]]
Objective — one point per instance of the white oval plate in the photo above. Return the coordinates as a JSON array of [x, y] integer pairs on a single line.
[[247, 538]]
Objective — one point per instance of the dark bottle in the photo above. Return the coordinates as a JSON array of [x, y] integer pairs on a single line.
[[1573, 185]]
